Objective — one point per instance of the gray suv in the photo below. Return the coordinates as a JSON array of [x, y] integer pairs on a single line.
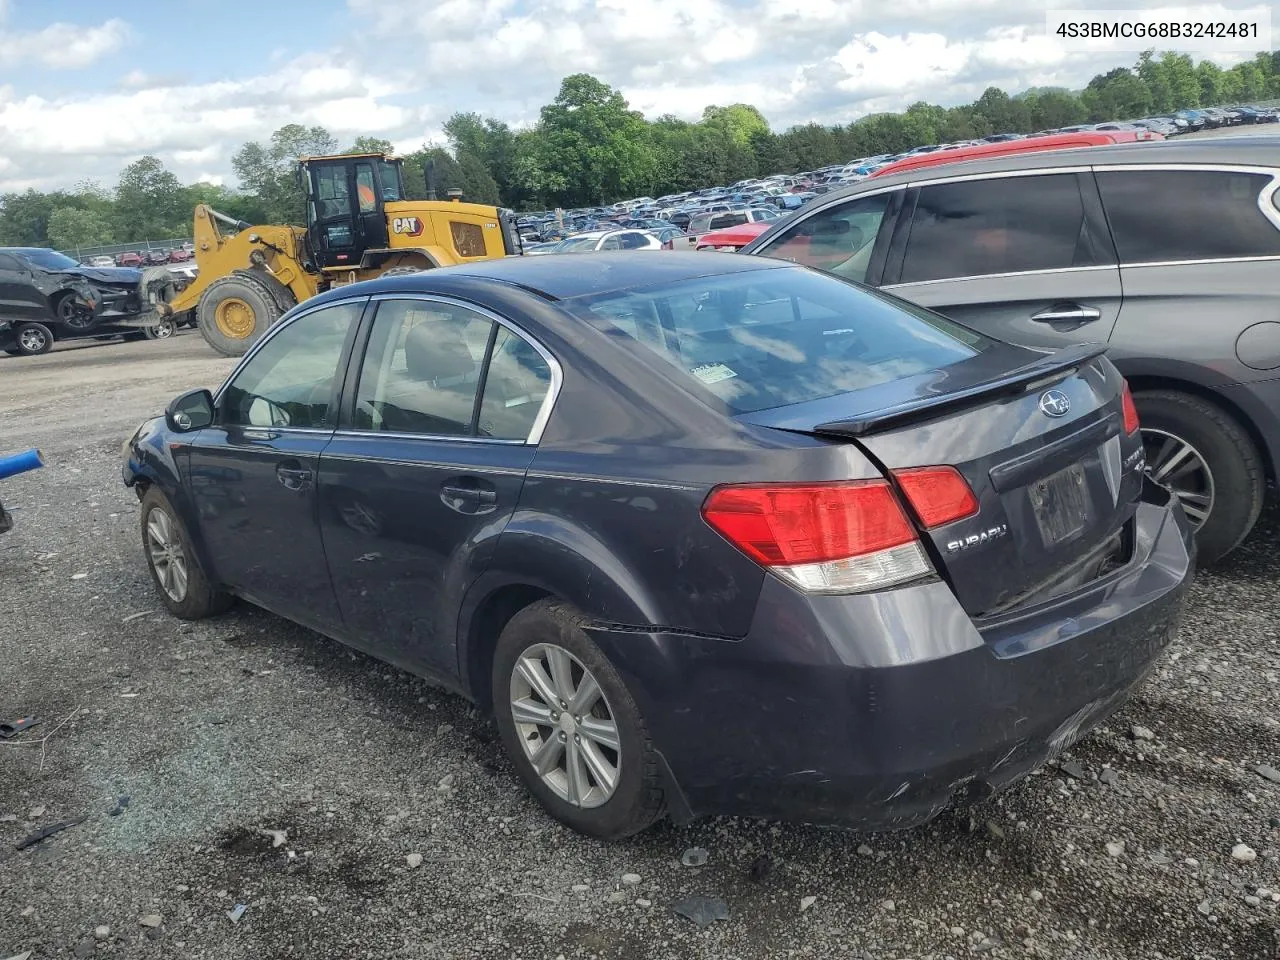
[[1169, 252]]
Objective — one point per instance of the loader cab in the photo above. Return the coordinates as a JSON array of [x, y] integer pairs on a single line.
[[346, 196]]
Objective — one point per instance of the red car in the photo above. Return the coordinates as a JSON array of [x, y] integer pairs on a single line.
[[129, 259], [179, 255], [733, 239]]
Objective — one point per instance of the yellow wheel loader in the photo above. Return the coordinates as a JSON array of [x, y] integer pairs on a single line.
[[359, 226]]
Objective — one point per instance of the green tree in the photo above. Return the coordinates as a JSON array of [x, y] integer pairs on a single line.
[[1171, 80], [1051, 109], [151, 203], [270, 170], [1116, 95], [72, 227], [370, 145]]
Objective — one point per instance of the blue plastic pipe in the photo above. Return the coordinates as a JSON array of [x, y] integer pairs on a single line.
[[20, 463]]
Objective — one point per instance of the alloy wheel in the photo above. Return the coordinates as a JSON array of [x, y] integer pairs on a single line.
[[565, 725], [1178, 465], [168, 559], [33, 340]]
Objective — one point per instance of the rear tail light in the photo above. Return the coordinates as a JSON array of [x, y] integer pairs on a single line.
[[839, 537], [1131, 422], [937, 494]]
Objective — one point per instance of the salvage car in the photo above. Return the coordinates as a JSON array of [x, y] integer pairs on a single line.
[[707, 533], [47, 296]]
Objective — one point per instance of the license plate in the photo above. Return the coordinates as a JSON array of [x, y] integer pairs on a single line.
[[1061, 503]]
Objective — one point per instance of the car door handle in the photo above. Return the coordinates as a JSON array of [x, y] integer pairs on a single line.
[[293, 476], [471, 494], [1067, 313]]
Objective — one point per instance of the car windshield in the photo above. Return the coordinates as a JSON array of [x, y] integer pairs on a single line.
[[767, 338], [49, 259]]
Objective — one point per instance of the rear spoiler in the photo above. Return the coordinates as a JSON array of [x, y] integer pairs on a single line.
[[1050, 367]]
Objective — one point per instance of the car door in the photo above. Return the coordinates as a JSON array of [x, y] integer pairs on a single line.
[[1023, 258], [420, 480], [252, 475], [19, 299]]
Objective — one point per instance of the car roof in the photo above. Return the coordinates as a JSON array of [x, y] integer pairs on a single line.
[[563, 278], [1260, 150]]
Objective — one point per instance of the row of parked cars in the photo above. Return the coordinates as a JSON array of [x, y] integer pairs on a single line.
[[793, 532], [142, 258]]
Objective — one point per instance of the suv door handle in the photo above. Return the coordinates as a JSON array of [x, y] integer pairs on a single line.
[[1067, 313]]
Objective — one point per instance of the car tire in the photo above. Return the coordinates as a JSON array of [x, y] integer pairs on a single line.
[[634, 800], [1237, 483], [74, 314], [183, 587], [234, 312], [160, 331], [32, 339]]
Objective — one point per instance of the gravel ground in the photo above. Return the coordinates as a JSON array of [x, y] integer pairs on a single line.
[[220, 730]]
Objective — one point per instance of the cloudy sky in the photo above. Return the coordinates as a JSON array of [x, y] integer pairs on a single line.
[[88, 86]]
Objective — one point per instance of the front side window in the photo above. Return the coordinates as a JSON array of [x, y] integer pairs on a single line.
[[421, 369], [838, 240], [976, 228], [1162, 215], [291, 380], [332, 196], [765, 338]]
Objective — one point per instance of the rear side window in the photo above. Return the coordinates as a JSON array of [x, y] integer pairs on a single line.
[[762, 339], [1163, 215], [1004, 225], [726, 220]]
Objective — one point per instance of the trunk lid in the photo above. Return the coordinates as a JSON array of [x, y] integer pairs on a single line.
[[1038, 438]]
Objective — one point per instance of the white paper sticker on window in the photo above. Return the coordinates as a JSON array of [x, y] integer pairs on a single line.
[[712, 372]]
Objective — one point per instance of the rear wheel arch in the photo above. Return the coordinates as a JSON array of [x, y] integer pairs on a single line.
[[480, 629], [1144, 383]]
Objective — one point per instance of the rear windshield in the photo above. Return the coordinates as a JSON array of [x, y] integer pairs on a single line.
[[767, 338], [577, 244]]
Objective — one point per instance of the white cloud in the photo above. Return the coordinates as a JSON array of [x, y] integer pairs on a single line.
[[405, 67], [60, 45]]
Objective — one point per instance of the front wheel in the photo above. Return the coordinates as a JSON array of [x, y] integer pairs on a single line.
[[1210, 463], [570, 726], [182, 584]]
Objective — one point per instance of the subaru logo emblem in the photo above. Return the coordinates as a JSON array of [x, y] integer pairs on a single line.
[[1054, 403]]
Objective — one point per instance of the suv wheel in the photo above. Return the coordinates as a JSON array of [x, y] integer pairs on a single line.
[[570, 726], [1208, 460]]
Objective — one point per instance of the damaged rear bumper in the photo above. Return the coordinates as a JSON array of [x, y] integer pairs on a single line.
[[879, 711]]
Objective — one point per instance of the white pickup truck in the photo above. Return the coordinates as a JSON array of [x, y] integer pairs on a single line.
[[708, 222]]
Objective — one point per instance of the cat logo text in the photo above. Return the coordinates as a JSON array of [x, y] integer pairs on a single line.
[[409, 226]]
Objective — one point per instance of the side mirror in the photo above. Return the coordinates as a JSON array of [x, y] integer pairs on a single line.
[[191, 411]]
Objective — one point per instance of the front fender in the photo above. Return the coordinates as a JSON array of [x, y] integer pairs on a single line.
[[151, 458]]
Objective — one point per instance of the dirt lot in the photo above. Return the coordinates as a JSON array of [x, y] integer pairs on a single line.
[[220, 730]]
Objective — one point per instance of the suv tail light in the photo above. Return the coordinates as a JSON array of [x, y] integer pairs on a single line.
[[1131, 422], [841, 537], [937, 494]]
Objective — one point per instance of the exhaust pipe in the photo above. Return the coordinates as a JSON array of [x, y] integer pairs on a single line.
[[430, 175]]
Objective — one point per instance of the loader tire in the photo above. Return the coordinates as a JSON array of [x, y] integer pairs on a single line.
[[234, 312]]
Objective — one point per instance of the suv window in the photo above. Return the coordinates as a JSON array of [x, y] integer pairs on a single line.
[[421, 368], [289, 382], [839, 239], [1161, 215], [975, 228], [763, 339]]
